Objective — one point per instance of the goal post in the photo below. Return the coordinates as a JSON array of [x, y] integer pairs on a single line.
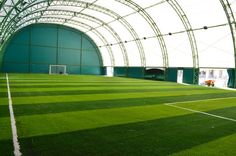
[[57, 69]]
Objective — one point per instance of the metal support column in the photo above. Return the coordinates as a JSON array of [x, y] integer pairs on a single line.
[[232, 24], [183, 17]]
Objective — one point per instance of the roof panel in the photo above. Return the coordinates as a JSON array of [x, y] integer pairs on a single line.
[[214, 43], [179, 50], [106, 18], [207, 13], [105, 56], [118, 56], [106, 34], [166, 18], [138, 23], [152, 52], [83, 29], [215, 47], [85, 20], [69, 8], [117, 7], [133, 54], [96, 38], [122, 31], [149, 3]]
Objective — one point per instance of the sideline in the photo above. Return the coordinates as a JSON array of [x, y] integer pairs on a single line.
[[13, 122], [202, 100], [200, 112]]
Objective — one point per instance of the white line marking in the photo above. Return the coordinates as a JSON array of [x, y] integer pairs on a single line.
[[13, 122], [192, 101], [200, 112], [225, 88]]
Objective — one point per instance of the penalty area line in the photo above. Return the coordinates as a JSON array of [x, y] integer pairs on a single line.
[[13, 122], [201, 112]]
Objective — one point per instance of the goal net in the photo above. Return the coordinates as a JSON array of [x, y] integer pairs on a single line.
[[57, 69]]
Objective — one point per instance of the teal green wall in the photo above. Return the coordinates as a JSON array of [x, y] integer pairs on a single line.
[[139, 72], [1, 60], [171, 74], [133, 72], [188, 75], [136, 72], [120, 71], [231, 81], [34, 48]]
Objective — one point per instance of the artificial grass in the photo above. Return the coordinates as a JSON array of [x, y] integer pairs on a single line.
[[96, 115], [6, 144], [153, 137]]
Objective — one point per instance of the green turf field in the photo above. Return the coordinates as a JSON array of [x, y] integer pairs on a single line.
[[94, 115]]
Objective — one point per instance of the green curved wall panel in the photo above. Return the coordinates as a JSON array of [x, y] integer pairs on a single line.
[[34, 48], [65, 43], [87, 44], [22, 51], [23, 37], [44, 35]]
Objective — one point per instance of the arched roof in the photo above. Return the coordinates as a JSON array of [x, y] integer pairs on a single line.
[[148, 33]]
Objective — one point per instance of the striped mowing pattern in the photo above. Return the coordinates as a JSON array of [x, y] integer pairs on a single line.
[[95, 115], [13, 122]]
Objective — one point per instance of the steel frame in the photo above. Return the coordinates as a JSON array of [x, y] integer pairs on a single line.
[[25, 12], [183, 17], [142, 12], [52, 20], [53, 12], [115, 35], [57, 20], [232, 24], [93, 7], [34, 14]]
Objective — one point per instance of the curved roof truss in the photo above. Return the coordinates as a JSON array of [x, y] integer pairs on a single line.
[[18, 13], [44, 6]]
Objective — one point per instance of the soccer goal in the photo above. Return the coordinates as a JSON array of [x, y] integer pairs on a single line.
[[57, 69]]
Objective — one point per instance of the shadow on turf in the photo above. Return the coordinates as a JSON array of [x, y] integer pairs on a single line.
[[96, 82], [77, 85], [48, 108], [6, 148], [100, 91], [152, 138]]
